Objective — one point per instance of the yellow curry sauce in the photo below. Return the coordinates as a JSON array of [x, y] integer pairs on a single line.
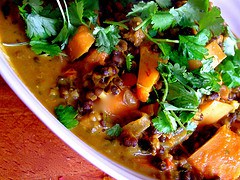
[[39, 74]]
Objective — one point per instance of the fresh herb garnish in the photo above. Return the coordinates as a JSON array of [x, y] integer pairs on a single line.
[[67, 116], [212, 21], [193, 47], [129, 58], [106, 38], [230, 70], [182, 89], [165, 122], [114, 131], [50, 28]]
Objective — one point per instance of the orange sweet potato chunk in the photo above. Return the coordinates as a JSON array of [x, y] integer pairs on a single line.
[[147, 74], [120, 105], [215, 51], [220, 156], [213, 111], [80, 42]]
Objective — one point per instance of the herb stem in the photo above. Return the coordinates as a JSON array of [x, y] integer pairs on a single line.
[[15, 44], [165, 90], [67, 14], [157, 41], [142, 24], [120, 24], [177, 119], [62, 11]]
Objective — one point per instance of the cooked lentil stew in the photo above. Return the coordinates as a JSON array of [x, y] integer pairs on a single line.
[[153, 85]]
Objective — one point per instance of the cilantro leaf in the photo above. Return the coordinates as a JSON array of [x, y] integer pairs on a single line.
[[50, 12], [182, 96], [129, 58], [189, 13], [164, 3], [179, 99], [76, 10], [171, 107], [229, 45], [66, 115], [144, 10], [179, 58], [230, 70], [164, 122], [191, 126], [82, 10], [54, 26], [36, 5], [106, 38], [212, 21], [64, 34], [40, 27], [40, 47], [114, 131], [193, 47], [162, 21]]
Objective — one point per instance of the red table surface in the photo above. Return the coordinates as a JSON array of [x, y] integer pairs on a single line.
[[29, 150]]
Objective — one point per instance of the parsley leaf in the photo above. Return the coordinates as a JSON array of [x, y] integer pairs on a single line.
[[106, 38], [114, 131], [66, 115]]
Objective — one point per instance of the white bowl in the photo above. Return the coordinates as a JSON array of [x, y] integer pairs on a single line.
[[230, 11]]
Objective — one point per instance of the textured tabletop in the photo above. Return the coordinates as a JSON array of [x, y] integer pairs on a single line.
[[29, 150]]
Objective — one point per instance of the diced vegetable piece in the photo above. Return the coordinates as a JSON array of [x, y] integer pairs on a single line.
[[224, 92], [214, 110], [215, 51], [119, 105], [129, 79], [220, 156], [94, 58], [150, 109], [137, 127], [147, 74], [80, 43]]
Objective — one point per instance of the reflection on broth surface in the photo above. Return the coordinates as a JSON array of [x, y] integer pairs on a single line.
[[151, 85]]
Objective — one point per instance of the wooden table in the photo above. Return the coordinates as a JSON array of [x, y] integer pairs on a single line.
[[29, 150]]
